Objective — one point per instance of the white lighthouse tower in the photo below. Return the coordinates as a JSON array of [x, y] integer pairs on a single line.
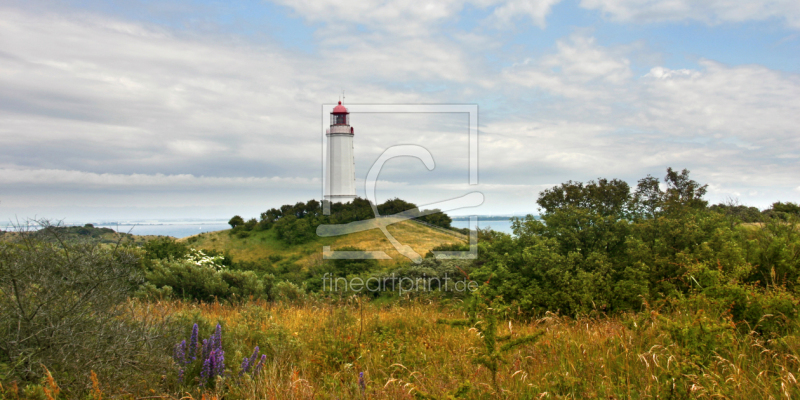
[[341, 175]]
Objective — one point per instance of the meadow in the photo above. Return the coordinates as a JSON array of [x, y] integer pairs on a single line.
[[318, 349], [613, 294]]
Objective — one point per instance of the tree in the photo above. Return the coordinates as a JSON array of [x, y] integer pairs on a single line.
[[783, 211], [605, 197], [648, 200], [683, 192], [236, 221]]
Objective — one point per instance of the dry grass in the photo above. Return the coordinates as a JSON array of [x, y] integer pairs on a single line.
[[318, 350], [261, 245]]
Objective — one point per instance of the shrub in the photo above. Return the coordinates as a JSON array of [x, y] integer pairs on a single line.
[[65, 306], [345, 267], [202, 277], [293, 230], [165, 247], [769, 312], [288, 291]]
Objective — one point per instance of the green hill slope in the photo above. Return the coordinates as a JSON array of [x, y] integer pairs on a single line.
[[261, 245]]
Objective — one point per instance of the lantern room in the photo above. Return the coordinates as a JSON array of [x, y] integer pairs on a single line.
[[340, 115]]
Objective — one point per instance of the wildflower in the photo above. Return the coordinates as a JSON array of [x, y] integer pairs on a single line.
[[205, 349], [180, 353], [361, 382], [217, 338], [193, 344], [254, 357], [208, 368], [245, 366], [219, 362], [260, 364], [249, 362]]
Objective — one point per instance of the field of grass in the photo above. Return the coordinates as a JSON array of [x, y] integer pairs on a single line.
[[317, 349], [260, 245]]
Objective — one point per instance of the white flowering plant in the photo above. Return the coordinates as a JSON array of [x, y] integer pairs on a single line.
[[201, 259]]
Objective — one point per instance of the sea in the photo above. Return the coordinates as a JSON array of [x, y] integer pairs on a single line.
[[181, 229], [500, 225]]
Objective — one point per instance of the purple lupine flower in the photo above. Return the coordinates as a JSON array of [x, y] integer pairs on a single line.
[[219, 362], [180, 353], [249, 362], [253, 357], [205, 373], [361, 382], [245, 366], [180, 375], [193, 344], [217, 338], [260, 364], [206, 349]]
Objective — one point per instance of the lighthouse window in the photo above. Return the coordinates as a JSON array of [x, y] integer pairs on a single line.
[[340, 119]]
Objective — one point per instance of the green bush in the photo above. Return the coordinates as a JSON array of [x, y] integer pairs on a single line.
[[65, 306], [771, 312], [288, 291], [345, 267], [186, 279], [293, 230], [165, 247]]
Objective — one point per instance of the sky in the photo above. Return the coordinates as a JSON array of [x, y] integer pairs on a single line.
[[172, 109]]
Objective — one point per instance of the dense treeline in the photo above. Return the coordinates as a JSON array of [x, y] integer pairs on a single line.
[[296, 224], [600, 247]]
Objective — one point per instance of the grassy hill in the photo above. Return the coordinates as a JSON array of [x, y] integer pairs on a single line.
[[262, 245]]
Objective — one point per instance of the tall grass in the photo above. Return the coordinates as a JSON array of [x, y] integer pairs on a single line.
[[316, 350]]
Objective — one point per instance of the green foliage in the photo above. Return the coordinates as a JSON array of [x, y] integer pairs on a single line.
[[165, 247], [288, 291], [768, 312], [598, 248], [297, 224], [739, 212], [65, 306], [448, 247], [773, 249], [294, 230], [604, 197], [346, 267], [236, 221], [787, 208], [194, 279]]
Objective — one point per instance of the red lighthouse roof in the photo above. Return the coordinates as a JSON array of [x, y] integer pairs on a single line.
[[340, 109]]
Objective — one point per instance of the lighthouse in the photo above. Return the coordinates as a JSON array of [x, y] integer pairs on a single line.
[[341, 174]]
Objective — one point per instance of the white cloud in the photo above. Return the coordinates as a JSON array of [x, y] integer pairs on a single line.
[[82, 179], [95, 102], [749, 103], [706, 11], [536, 10], [579, 69]]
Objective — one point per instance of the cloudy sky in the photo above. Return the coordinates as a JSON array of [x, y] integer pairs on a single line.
[[201, 109]]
